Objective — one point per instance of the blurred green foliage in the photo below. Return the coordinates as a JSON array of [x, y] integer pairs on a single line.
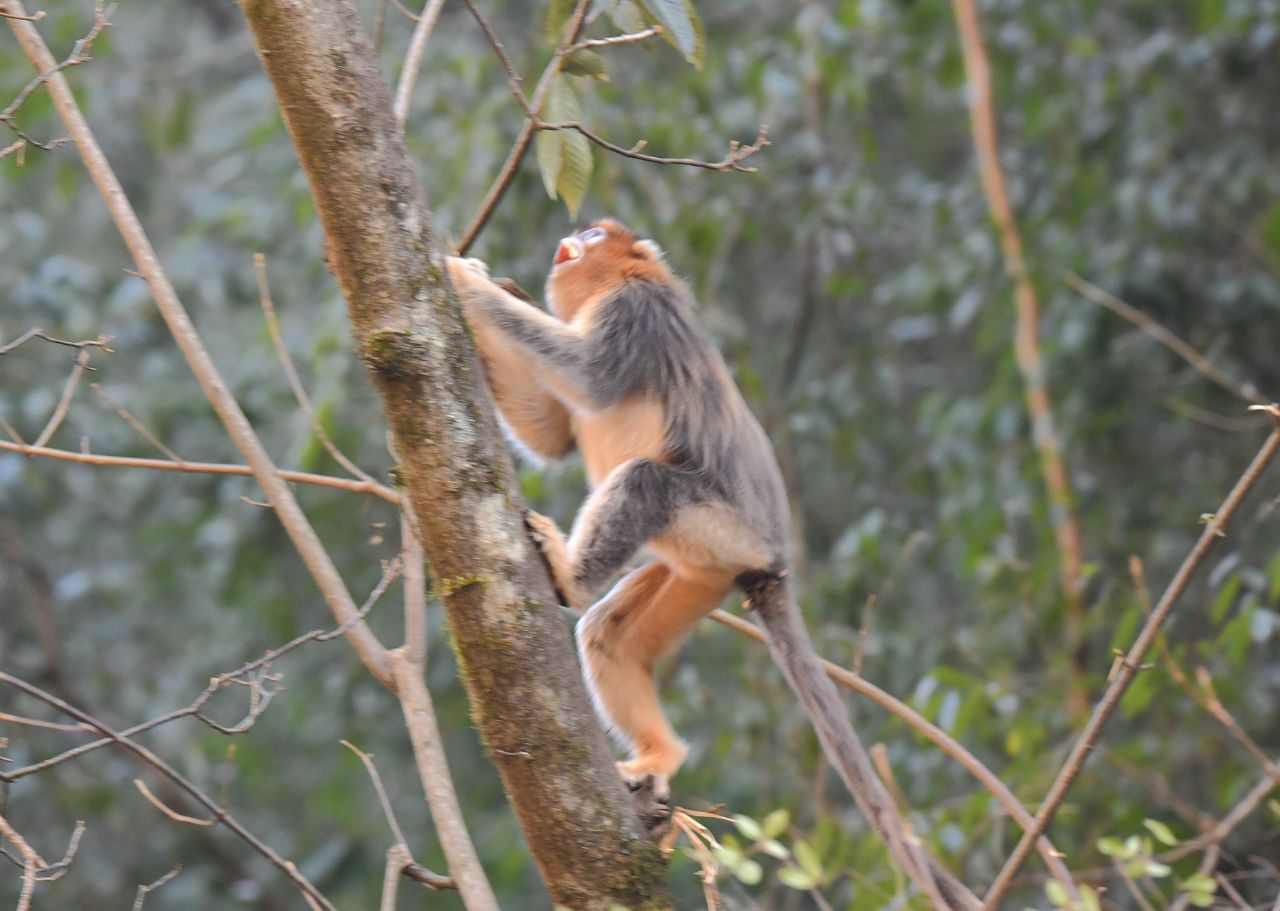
[[856, 287]]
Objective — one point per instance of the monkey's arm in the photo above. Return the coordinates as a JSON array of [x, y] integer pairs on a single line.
[[562, 359], [538, 419]]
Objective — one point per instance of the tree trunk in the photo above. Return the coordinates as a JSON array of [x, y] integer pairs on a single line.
[[513, 649]]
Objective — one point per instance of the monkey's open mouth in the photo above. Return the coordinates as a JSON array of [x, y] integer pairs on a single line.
[[570, 248]]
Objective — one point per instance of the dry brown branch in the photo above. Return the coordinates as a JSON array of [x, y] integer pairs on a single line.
[[1214, 529], [397, 859], [286, 508], [37, 723], [34, 868], [215, 468], [1165, 336], [612, 40], [143, 891], [1227, 824], [413, 58], [1027, 345], [138, 426], [100, 342], [19, 146], [388, 813], [934, 735], [183, 784], [64, 400], [257, 672], [79, 54], [299, 393], [434, 881], [13, 434], [521, 146], [172, 814]]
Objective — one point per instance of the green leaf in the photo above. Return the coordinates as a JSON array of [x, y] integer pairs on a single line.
[[626, 16], [1224, 599], [1088, 898], [749, 872], [808, 860], [564, 157], [1111, 846], [681, 27], [1198, 882], [1163, 833], [748, 827], [1202, 899], [775, 848], [587, 62], [1158, 870], [796, 878], [558, 13], [776, 823], [1056, 893]]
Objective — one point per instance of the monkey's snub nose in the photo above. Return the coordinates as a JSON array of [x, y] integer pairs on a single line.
[[569, 249]]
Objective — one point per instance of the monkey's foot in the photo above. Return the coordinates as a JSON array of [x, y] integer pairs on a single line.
[[551, 544], [651, 795]]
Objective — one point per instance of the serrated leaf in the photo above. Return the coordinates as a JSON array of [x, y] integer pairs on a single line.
[[795, 878], [1163, 833], [587, 62], [776, 823], [1056, 893], [564, 156], [681, 26], [558, 13], [748, 827]]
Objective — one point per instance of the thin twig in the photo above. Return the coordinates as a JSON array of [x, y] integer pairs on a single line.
[[390, 814], [1027, 345], [138, 426], [1165, 336], [143, 891], [260, 665], [1214, 529], [299, 393], [37, 723], [413, 59], [100, 342], [172, 814], [731, 162], [287, 510], [932, 733], [64, 400], [1132, 887], [397, 859], [221, 815], [215, 468], [631, 38]]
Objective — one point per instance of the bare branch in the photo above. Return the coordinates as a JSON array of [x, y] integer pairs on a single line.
[[79, 54], [260, 666], [413, 58], [631, 38], [143, 891], [100, 342], [34, 868], [172, 814], [183, 784], [64, 400], [304, 402], [1214, 529], [133, 422], [1165, 336], [37, 723], [290, 515], [387, 812], [932, 733], [216, 468], [1026, 343], [731, 161]]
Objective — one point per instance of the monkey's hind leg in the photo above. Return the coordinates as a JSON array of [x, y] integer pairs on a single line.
[[643, 618]]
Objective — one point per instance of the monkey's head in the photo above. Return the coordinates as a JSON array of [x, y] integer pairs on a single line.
[[596, 260]]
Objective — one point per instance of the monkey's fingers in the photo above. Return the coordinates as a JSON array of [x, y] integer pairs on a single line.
[[546, 537]]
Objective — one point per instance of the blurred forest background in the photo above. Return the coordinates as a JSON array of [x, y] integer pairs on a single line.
[[856, 286]]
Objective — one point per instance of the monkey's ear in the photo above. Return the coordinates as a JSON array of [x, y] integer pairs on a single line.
[[647, 249]]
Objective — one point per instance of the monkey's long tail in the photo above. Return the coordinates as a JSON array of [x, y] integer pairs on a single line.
[[768, 595]]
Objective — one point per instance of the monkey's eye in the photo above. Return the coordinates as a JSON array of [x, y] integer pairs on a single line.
[[592, 235]]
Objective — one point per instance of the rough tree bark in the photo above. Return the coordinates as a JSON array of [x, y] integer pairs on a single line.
[[514, 651]]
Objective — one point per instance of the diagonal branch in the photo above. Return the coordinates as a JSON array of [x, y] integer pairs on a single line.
[[1214, 529], [295, 522]]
